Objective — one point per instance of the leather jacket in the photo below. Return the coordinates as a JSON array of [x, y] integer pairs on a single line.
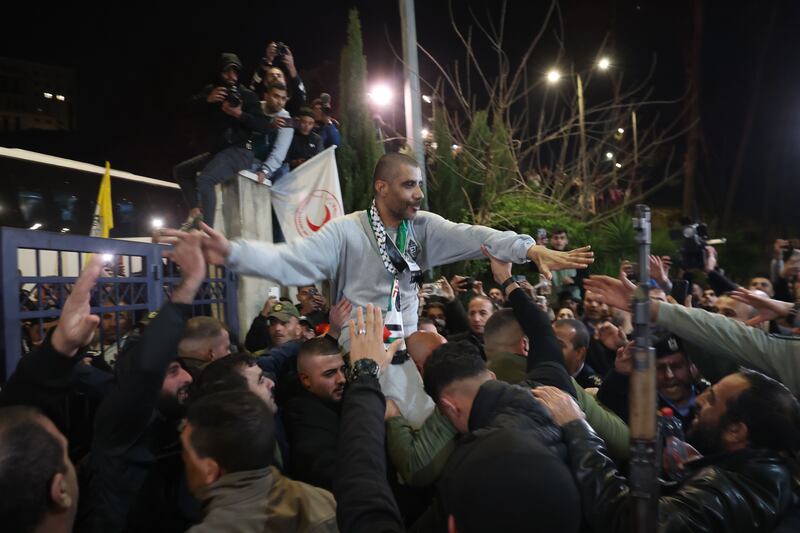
[[744, 491]]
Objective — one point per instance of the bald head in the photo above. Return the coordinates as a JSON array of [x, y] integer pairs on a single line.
[[420, 346]]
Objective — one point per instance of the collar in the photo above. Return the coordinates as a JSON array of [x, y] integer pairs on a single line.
[[237, 488]]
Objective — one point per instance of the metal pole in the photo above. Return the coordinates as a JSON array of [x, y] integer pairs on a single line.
[[413, 97], [643, 468], [587, 181]]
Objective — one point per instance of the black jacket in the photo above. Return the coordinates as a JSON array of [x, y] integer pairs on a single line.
[[216, 130], [312, 426], [136, 475], [744, 491], [303, 147]]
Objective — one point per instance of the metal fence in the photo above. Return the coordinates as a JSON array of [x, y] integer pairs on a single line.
[[38, 270]]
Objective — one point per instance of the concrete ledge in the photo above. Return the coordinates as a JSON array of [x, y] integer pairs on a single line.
[[244, 211]]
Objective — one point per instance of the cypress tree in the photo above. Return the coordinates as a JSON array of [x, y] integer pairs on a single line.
[[360, 148]]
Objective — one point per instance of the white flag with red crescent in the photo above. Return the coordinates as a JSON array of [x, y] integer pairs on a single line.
[[308, 197]]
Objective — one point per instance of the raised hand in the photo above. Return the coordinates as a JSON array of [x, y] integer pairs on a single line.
[[768, 309], [216, 247], [77, 324], [615, 292], [366, 338], [561, 405], [501, 270], [338, 316], [547, 259], [188, 254]]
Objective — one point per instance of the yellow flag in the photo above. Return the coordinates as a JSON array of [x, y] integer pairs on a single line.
[[103, 219]]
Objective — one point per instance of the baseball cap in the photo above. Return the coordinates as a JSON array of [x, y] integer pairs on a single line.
[[283, 312]]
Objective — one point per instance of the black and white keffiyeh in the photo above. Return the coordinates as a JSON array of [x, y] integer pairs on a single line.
[[380, 237]]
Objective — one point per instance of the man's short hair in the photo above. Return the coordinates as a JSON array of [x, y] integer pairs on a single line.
[[495, 307], [223, 374], [558, 230], [451, 362], [235, 428], [390, 165], [431, 305], [304, 112], [276, 85], [502, 329], [29, 458], [769, 410], [425, 320], [201, 328], [318, 346], [198, 330], [581, 338]]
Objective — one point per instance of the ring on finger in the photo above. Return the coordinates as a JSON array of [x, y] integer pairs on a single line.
[[362, 331]]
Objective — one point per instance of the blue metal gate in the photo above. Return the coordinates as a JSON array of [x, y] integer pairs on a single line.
[[38, 269]]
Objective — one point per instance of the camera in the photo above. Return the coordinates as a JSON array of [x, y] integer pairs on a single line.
[[234, 97], [282, 50], [694, 236]]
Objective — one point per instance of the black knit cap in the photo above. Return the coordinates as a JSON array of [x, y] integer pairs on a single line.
[[510, 482]]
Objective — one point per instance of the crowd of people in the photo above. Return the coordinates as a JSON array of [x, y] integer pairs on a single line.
[[260, 130], [389, 404]]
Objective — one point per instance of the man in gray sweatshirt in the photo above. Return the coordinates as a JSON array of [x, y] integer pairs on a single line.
[[378, 255]]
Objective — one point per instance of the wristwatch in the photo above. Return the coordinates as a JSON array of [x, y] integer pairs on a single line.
[[362, 368], [508, 282]]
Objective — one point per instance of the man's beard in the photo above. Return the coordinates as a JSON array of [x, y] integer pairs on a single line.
[[169, 406], [706, 439]]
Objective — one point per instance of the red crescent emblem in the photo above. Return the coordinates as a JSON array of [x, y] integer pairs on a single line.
[[313, 226]]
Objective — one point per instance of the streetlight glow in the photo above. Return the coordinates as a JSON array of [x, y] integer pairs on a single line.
[[48, 95], [618, 165], [157, 223], [107, 258], [60, 97], [64, 230], [604, 63], [553, 76], [620, 130], [381, 95], [609, 155], [427, 99]]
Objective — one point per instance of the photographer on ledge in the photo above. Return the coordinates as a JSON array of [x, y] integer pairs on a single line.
[[232, 113], [277, 66]]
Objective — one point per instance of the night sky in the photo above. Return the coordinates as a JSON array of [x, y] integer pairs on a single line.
[[137, 64]]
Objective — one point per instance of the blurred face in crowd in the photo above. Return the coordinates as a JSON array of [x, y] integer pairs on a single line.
[[559, 241], [762, 284], [230, 76], [657, 295], [108, 324], [275, 75], [319, 115], [402, 194], [174, 391], [709, 299], [322, 376], [573, 357], [306, 331], [496, 295], [305, 296], [62, 494], [706, 431], [732, 309], [478, 312], [260, 385], [565, 312], [275, 100], [305, 124], [593, 307], [674, 378], [282, 332]]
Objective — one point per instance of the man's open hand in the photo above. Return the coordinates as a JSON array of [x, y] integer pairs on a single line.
[[77, 324]]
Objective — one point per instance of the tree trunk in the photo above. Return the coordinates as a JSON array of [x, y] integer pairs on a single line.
[[693, 134]]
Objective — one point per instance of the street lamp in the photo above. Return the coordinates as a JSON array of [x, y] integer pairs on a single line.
[[609, 155], [553, 76], [604, 63], [157, 223], [618, 165], [381, 95], [620, 130]]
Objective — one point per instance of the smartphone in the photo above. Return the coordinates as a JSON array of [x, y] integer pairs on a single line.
[[520, 278], [467, 283], [275, 292]]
